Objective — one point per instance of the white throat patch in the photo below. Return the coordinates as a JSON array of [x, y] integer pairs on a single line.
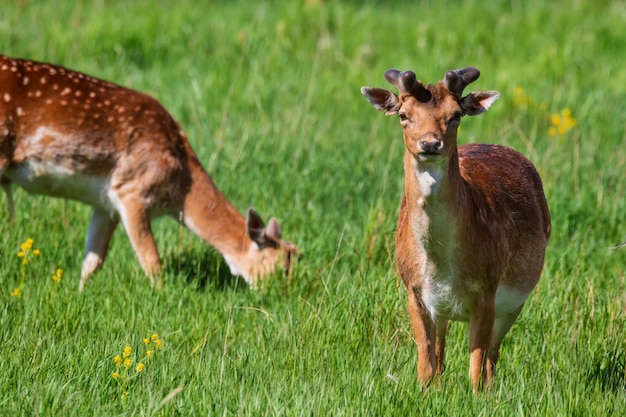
[[428, 179]]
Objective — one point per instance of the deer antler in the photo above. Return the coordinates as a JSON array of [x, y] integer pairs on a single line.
[[456, 80], [406, 82]]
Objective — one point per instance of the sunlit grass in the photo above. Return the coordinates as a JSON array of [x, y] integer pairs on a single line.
[[268, 94]]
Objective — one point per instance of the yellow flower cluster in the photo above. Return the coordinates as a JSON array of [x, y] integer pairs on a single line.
[[56, 277], [123, 373], [521, 99], [561, 123], [152, 343], [26, 253]]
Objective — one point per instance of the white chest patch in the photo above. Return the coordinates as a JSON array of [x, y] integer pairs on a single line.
[[428, 180]]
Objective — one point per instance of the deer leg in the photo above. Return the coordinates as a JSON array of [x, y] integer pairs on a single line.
[[442, 327], [6, 187], [481, 330], [501, 327], [424, 330], [136, 219], [101, 229]]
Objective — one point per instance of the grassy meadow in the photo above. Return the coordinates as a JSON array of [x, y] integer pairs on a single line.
[[268, 93]]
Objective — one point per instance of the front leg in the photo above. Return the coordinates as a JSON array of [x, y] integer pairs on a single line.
[[101, 228], [442, 327], [425, 335], [136, 218], [6, 187], [481, 330]]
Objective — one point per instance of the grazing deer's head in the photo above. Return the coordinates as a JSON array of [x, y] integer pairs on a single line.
[[430, 115], [273, 251]]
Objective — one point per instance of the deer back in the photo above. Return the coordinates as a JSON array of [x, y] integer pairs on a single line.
[[64, 133]]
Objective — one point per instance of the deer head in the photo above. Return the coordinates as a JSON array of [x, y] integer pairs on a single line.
[[430, 115]]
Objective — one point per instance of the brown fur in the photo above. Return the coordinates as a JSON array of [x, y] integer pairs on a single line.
[[473, 225], [69, 135]]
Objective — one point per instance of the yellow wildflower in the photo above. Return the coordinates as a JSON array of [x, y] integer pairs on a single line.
[[561, 123], [117, 359], [16, 292], [127, 351], [280, 28], [116, 375], [140, 367], [146, 341], [20, 254], [57, 275], [149, 353], [241, 38], [519, 98], [154, 337], [36, 252], [128, 362], [158, 344]]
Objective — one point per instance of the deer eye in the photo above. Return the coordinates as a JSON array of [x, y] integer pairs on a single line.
[[402, 117], [456, 118]]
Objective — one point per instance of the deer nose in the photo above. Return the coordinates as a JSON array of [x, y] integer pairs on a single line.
[[430, 146]]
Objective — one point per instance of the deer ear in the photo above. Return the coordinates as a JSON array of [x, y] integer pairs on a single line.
[[272, 231], [382, 100], [255, 227], [477, 103], [263, 236]]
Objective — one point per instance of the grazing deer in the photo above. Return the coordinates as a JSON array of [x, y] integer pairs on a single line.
[[473, 225], [69, 135]]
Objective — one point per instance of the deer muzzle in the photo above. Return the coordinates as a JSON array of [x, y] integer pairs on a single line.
[[429, 144]]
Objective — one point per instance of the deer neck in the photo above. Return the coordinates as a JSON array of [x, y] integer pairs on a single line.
[[432, 181], [432, 192], [208, 214]]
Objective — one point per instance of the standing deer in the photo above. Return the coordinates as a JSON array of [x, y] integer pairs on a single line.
[[69, 135], [473, 226]]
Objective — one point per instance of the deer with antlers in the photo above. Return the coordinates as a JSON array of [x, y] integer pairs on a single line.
[[473, 225], [66, 134]]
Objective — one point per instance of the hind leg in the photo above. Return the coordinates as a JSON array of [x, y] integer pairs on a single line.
[[501, 327], [101, 228], [480, 332]]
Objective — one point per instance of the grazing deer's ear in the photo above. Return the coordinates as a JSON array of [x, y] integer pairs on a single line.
[[477, 103], [263, 236], [255, 227], [382, 100], [272, 231]]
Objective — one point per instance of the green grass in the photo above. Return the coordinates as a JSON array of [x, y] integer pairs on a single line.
[[268, 93]]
